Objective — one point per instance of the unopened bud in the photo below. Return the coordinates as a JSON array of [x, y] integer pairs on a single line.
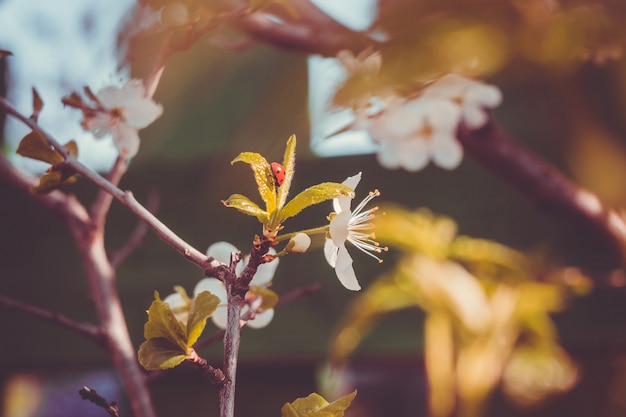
[[298, 243]]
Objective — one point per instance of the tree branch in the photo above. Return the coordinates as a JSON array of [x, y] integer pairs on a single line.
[[84, 329], [92, 396], [543, 184]]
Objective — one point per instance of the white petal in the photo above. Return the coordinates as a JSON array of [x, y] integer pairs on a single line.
[[212, 285], [330, 252], [338, 227], [175, 300], [110, 97], [484, 95], [344, 270], [143, 114], [221, 251], [343, 203], [220, 317], [474, 117], [265, 272], [415, 155], [262, 319], [389, 155], [126, 139], [447, 153]]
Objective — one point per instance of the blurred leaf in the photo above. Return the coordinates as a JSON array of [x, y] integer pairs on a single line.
[[537, 372], [417, 230], [439, 358], [37, 105], [247, 206], [50, 181], [72, 148], [289, 163], [270, 298], [160, 353], [4, 53], [316, 406], [263, 176], [162, 323], [33, 145], [387, 294], [202, 306], [314, 195]]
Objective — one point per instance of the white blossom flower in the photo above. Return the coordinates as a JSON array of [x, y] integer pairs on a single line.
[[413, 132], [222, 251], [122, 112], [351, 226], [473, 97]]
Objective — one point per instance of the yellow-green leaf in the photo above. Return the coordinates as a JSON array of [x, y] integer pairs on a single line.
[[314, 195], [203, 305], [247, 206], [316, 406], [162, 323], [263, 176], [289, 163], [160, 353], [51, 181], [270, 298], [35, 146]]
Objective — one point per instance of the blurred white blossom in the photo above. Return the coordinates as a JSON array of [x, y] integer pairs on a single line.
[[122, 112]]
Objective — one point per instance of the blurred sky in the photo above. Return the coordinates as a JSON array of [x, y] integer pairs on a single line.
[[59, 47]]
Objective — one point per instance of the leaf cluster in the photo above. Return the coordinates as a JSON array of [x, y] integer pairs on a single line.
[[277, 208], [169, 341]]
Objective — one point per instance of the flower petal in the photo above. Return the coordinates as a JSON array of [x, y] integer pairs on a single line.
[[414, 155], [142, 113], [175, 300], [344, 270], [261, 319], [126, 139], [220, 317], [338, 228], [212, 285], [265, 272], [221, 251], [343, 203], [447, 153], [330, 252]]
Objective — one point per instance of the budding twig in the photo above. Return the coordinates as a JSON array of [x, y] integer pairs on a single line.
[[91, 395]]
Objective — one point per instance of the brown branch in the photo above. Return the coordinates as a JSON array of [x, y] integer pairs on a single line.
[[311, 32], [209, 266], [91, 395], [84, 329], [543, 184], [102, 204], [137, 236]]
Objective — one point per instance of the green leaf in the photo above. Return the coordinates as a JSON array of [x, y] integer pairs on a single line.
[[162, 323], [51, 181], [314, 195], [247, 206], [289, 163], [203, 305], [316, 406], [160, 353], [270, 298], [263, 176], [35, 146]]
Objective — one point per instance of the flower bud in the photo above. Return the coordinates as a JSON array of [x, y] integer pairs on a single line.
[[298, 243]]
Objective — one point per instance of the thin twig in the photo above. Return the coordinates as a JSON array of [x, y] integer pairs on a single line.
[[137, 236], [92, 395], [209, 266], [87, 330]]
